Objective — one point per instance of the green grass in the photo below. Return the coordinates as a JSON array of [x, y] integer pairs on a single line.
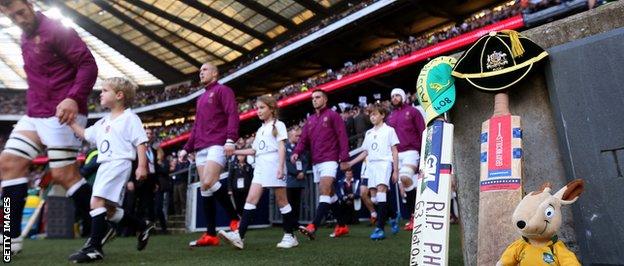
[[355, 249]]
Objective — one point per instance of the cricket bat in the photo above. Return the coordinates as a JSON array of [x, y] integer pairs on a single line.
[[500, 186], [430, 236], [33, 219]]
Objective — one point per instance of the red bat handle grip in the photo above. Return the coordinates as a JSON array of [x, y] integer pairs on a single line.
[[501, 104]]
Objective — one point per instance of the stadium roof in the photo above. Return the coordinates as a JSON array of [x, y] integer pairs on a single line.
[[170, 39], [166, 41]]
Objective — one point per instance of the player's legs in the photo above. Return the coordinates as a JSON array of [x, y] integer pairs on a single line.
[[236, 237], [285, 208], [209, 175], [382, 205], [98, 215], [210, 181], [109, 192], [408, 168], [92, 250], [78, 189], [324, 175], [325, 187], [62, 150], [20, 149], [289, 219], [382, 210], [210, 237], [210, 212], [254, 195], [366, 199], [406, 174], [294, 198]]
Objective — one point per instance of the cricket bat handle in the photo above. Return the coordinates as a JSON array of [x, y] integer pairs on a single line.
[[501, 104]]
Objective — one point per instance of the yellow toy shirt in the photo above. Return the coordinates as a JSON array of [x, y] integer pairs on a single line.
[[520, 252]]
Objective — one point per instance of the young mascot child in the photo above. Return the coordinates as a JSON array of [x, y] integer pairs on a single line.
[[270, 153], [380, 149], [120, 137]]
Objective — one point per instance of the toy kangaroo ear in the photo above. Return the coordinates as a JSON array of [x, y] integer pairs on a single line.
[[570, 193], [544, 188]]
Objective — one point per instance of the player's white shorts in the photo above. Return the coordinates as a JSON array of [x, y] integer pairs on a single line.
[[111, 179], [324, 169], [411, 157], [50, 131], [265, 172], [213, 153], [378, 173]]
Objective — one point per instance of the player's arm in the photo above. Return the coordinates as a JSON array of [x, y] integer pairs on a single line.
[[343, 140], [305, 162], [395, 163], [231, 109], [74, 50], [190, 143], [419, 124], [247, 152], [141, 171], [281, 152], [359, 158], [303, 144], [78, 130]]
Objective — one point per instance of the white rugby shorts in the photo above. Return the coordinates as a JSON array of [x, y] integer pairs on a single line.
[[213, 153], [378, 173], [265, 172], [51, 132], [111, 179], [324, 169]]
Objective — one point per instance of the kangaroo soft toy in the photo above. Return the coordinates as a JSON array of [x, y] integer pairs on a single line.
[[538, 217]]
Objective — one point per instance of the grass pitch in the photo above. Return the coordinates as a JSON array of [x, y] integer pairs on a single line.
[[354, 249]]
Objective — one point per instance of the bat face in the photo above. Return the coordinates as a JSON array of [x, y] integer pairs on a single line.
[[430, 239], [500, 187]]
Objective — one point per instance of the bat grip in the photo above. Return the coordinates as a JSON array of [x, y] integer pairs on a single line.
[[501, 104]]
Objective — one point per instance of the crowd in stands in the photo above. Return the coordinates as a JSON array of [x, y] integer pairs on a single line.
[[323, 23], [398, 49], [12, 102], [15, 105], [166, 132], [150, 96]]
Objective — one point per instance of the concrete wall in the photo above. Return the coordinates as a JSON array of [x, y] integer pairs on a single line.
[[542, 155]]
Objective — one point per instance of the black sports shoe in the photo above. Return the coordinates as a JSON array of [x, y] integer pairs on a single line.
[[87, 254], [144, 236], [111, 233]]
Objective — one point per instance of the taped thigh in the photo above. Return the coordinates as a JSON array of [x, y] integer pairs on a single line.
[[406, 171], [21, 146], [61, 157]]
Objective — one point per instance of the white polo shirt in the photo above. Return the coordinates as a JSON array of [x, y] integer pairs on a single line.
[[117, 138], [378, 143]]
